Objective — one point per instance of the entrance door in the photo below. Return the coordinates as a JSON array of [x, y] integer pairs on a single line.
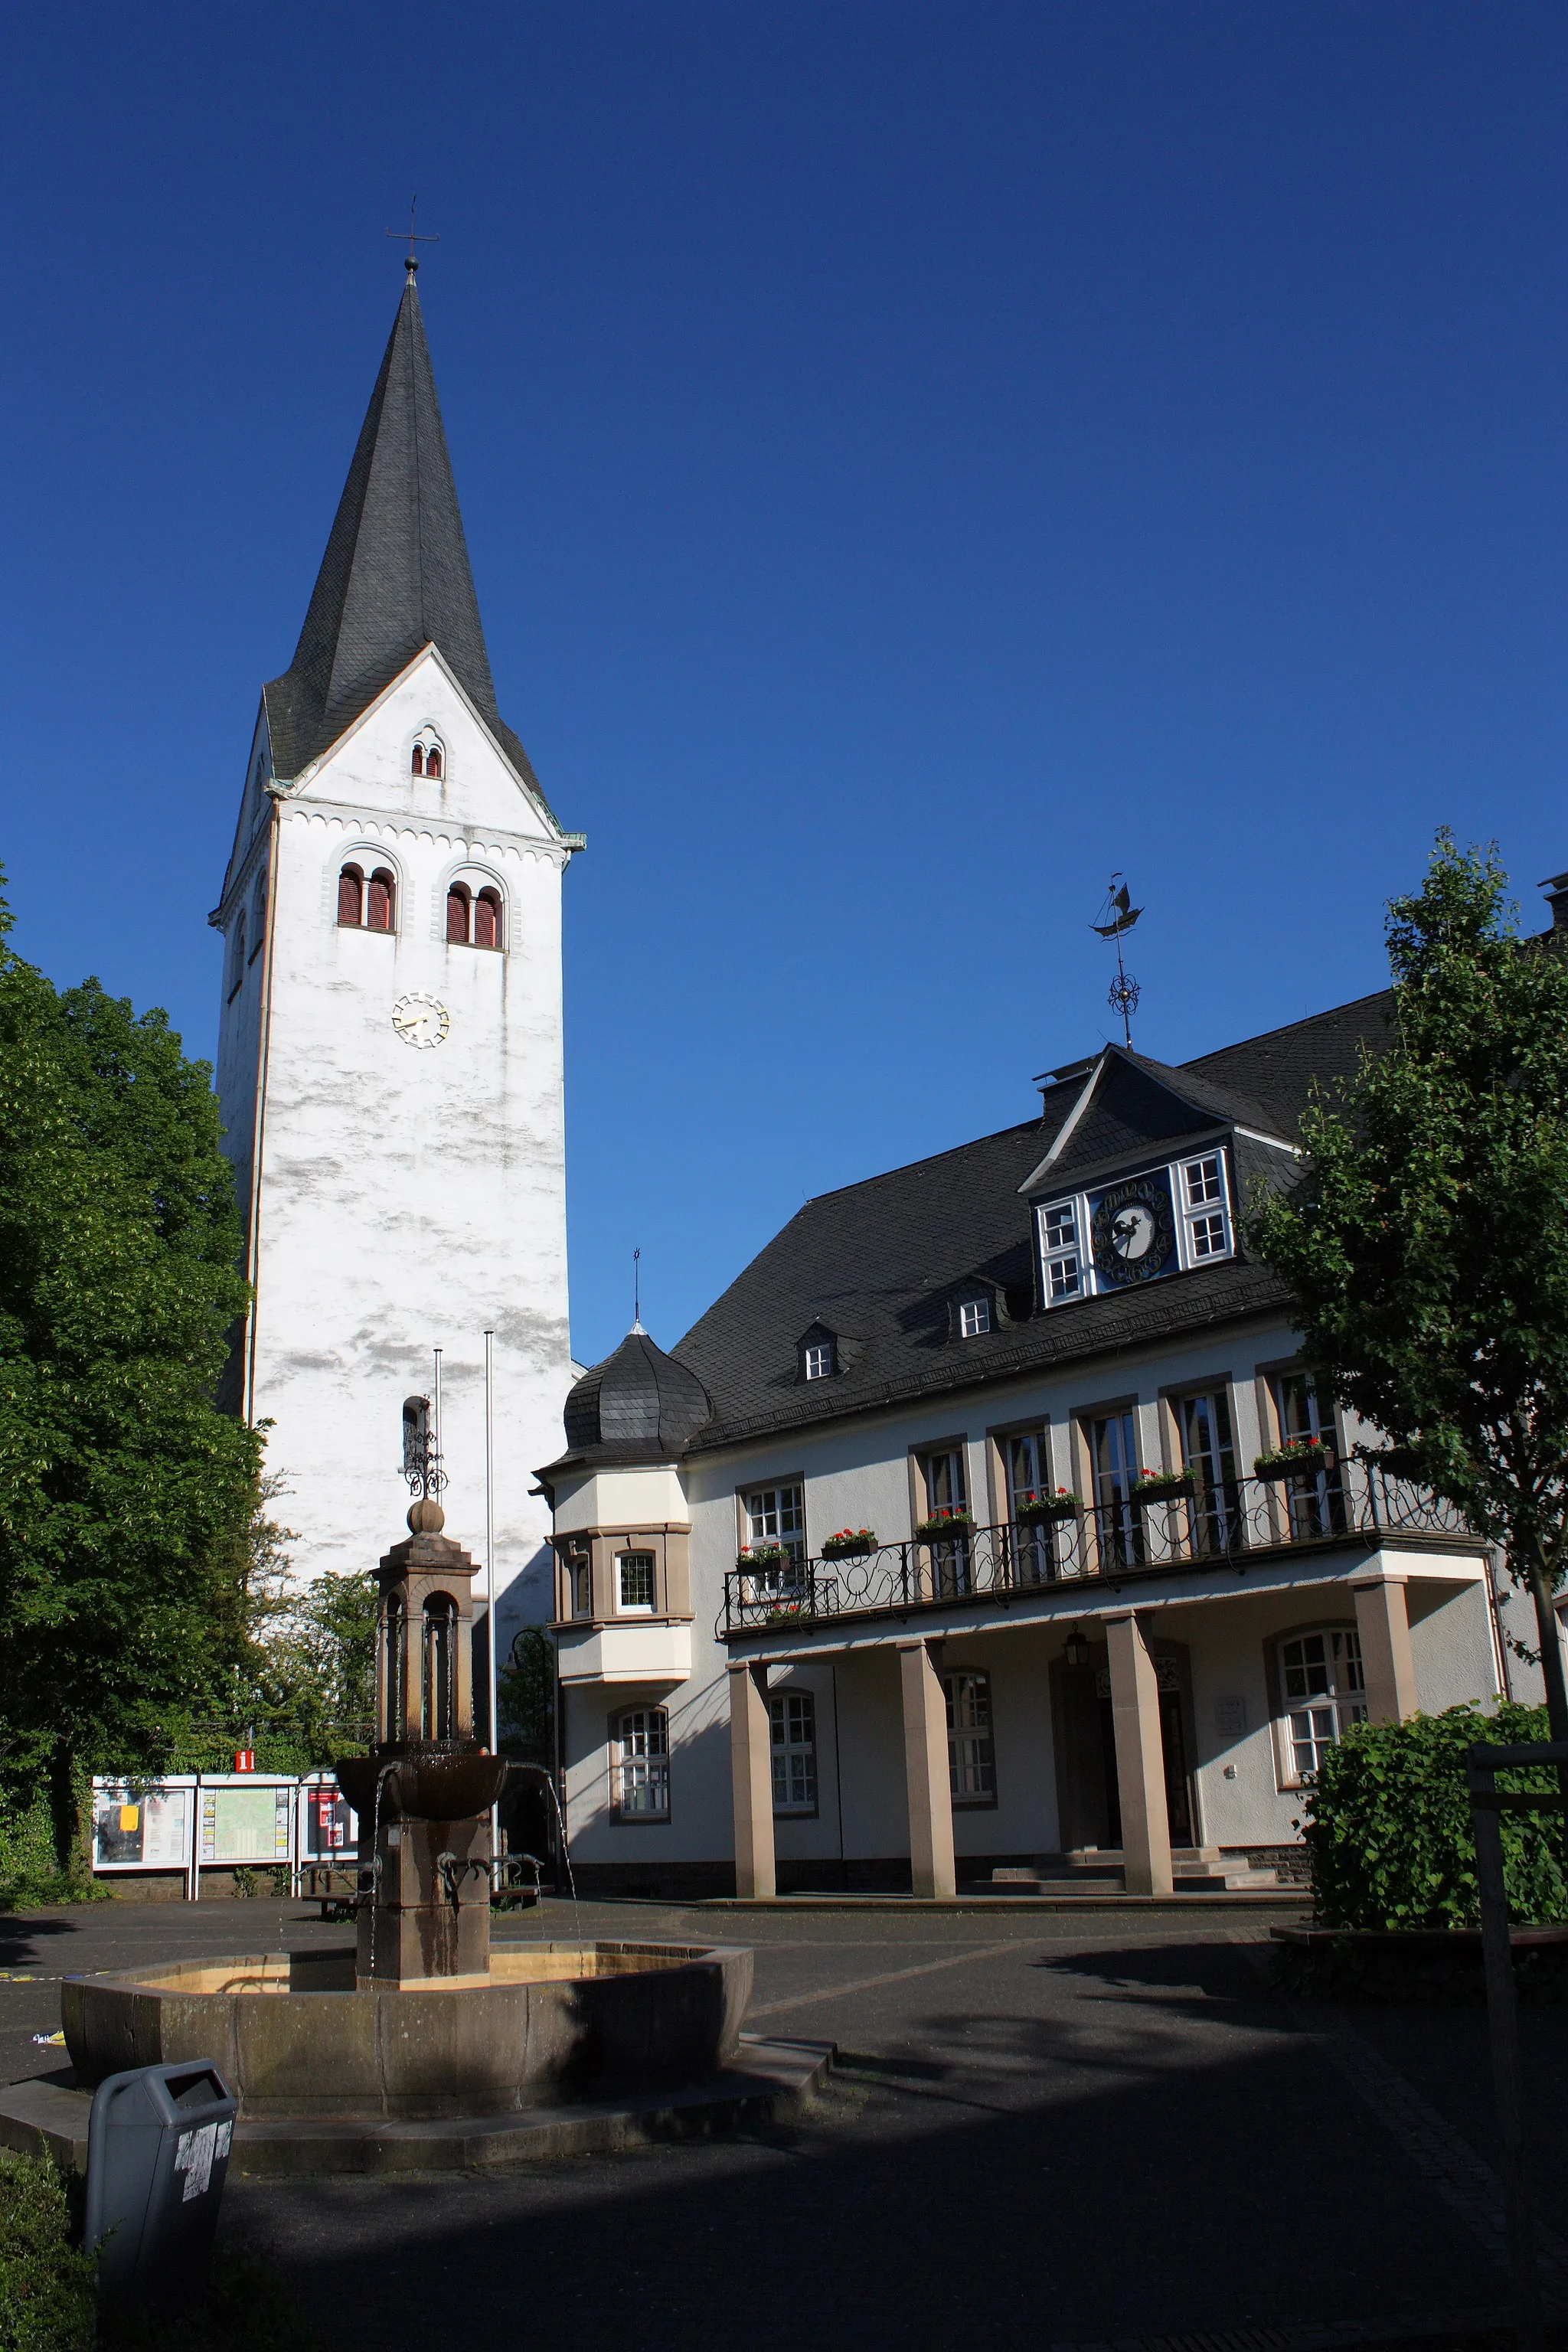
[[1173, 1749], [1173, 1744]]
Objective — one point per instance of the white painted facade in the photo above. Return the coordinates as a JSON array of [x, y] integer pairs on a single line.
[[858, 1471], [403, 1186]]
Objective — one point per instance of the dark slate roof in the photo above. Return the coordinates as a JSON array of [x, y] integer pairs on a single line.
[[1277, 1068], [1134, 1105], [396, 576], [876, 1262], [638, 1405]]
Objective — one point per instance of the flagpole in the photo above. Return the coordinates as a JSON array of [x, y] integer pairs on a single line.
[[490, 1561]]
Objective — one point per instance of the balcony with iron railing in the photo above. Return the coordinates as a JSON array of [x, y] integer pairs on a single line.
[[1180, 1522]]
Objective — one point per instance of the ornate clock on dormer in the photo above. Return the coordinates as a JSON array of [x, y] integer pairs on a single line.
[[421, 1019], [1134, 1229]]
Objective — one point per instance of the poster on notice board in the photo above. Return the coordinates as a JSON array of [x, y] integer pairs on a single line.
[[138, 1826]]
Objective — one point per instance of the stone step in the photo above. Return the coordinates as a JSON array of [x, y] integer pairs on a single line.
[[1189, 1876]]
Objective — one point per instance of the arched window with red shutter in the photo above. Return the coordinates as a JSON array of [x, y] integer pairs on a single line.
[[416, 765], [457, 915], [351, 896], [382, 905], [433, 761], [486, 919]]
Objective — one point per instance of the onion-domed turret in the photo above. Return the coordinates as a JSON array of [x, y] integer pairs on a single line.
[[638, 1405]]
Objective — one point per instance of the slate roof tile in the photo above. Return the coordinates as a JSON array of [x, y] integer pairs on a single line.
[[875, 1261], [396, 576]]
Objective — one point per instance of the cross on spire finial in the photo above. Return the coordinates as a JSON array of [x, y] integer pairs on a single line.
[[411, 260]]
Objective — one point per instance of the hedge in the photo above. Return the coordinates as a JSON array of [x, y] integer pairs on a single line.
[[1387, 1825], [46, 2299]]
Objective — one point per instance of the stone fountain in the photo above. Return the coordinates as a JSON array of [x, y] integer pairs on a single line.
[[422, 2046], [424, 1793]]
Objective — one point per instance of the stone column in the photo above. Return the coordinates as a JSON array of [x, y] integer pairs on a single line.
[[751, 1780], [926, 1771], [1383, 1621], [1139, 1758]]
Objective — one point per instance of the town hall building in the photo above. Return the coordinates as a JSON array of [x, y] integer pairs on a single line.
[[390, 1053], [990, 1529]]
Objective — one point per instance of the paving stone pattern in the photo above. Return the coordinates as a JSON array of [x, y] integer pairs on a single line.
[[1052, 2130]]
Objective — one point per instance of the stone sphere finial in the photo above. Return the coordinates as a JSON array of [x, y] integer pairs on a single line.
[[426, 1518]]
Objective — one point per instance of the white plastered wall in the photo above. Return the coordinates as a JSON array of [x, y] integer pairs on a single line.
[[856, 1473], [408, 1197]]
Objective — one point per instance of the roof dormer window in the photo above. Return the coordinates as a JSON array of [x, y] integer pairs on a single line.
[[975, 1304], [1136, 1229], [817, 1353], [819, 1360]]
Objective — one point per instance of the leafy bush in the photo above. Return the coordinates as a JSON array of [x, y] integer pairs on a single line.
[[46, 2302], [1387, 1825], [30, 1873]]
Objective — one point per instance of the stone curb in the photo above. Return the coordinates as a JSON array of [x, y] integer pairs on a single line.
[[769, 2079], [1185, 1907]]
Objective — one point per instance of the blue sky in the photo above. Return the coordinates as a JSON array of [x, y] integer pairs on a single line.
[[916, 458]]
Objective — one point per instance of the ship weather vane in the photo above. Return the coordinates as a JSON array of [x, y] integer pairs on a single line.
[[1116, 917]]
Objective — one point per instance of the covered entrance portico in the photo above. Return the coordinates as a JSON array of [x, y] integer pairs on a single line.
[[1119, 1675]]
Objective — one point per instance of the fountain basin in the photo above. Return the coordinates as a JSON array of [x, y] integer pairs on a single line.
[[455, 1786], [550, 2024]]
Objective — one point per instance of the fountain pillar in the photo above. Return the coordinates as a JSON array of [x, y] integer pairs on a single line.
[[426, 1833]]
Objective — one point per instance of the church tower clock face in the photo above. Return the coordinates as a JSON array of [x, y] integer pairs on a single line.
[[421, 1020]]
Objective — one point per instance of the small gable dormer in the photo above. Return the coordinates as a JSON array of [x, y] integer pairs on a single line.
[[818, 1354], [976, 1305]]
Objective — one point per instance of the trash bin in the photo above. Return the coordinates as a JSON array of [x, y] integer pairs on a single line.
[[157, 2151]]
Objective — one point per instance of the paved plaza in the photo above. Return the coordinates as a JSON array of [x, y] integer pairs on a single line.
[[1054, 2127]]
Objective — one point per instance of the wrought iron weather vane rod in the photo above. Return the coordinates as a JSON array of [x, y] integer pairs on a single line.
[[1117, 916]]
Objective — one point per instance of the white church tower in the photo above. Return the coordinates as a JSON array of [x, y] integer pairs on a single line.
[[390, 1055]]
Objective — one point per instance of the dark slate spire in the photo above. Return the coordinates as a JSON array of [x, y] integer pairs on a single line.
[[396, 575]]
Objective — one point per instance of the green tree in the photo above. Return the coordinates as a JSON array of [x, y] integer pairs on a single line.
[[125, 1494], [525, 1699], [1428, 1241]]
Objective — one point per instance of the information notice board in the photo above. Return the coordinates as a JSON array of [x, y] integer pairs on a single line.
[[142, 1824], [246, 1819], [329, 1827]]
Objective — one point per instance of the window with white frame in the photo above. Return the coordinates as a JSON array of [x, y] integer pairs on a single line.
[[945, 1480], [1323, 1688], [974, 1317], [819, 1360], [971, 1749], [1206, 1210], [634, 1583], [1314, 1503], [777, 1515], [793, 1717], [642, 1764], [1027, 1465], [1061, 1259], [1026, 1454], [775, 1520]]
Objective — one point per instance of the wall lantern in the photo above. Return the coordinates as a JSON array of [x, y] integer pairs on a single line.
[[1074, 1650]]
